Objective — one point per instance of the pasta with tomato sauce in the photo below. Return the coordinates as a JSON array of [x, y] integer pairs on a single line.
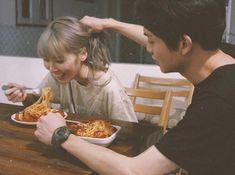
[[95, 129], [40, 107]]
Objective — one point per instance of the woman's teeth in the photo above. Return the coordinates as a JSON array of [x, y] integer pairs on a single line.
[[58, 75]]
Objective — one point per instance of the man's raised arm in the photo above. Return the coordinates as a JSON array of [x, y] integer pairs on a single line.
[[132, 31]]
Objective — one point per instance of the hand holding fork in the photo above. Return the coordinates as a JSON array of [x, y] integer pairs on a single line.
[[17, 93]]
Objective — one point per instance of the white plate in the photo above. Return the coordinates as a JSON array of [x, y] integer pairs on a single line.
[[101, 141], [13, 117]]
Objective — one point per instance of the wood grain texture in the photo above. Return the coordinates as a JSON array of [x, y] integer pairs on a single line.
[[22, 154]]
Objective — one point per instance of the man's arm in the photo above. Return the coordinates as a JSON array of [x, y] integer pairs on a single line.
[[132, 31], [108, 162], [101, 159]]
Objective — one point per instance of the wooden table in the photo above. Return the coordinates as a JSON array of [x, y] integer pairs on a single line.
[[22, 154]]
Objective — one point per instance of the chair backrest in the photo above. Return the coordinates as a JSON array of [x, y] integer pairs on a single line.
[[161, 109], [179, 87]]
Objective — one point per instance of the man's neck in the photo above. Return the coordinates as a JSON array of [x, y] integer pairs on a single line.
[[203, 63]]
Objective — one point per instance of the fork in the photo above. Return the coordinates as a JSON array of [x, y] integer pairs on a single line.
[[27, 89]]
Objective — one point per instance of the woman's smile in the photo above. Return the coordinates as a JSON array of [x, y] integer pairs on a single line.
[[59, 76]]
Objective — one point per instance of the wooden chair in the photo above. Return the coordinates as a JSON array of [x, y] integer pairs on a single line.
[[179, 87], [161, 110], [182, 91]]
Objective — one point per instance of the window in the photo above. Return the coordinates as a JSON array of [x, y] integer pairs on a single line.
[[33, 12]]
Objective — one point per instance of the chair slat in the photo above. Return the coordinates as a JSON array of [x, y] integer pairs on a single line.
[[161, 110], [154, 110], [179, 87]]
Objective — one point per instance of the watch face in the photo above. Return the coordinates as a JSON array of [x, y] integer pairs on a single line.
[[60, 135], [61, 132]]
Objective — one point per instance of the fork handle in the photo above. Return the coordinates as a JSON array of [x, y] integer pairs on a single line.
[[5, 87]]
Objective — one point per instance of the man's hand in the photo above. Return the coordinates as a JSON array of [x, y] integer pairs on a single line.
[[46, 126], [96, 24]]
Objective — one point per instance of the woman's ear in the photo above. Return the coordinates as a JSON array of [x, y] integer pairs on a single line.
[[186, 45], [83, 54]]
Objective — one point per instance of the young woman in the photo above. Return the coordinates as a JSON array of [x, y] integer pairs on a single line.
[[79, 74]]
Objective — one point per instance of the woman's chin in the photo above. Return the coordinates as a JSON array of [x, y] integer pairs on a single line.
[[62, 81], [163, 70]]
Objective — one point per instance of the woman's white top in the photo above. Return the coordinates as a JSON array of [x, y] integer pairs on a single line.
[[105, 98]]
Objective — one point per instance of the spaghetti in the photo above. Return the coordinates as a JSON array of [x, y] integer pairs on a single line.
[[39, 108], [96, 129]]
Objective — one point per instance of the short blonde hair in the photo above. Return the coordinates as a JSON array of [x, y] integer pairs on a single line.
[[67, 35]]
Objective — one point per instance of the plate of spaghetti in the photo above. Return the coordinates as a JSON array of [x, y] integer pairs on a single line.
[[31, 114], [98, 132]]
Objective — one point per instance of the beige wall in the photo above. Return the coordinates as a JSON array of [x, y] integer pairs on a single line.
[[30, 71]]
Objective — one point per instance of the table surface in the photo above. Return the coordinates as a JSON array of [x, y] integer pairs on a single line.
[[22, 154]]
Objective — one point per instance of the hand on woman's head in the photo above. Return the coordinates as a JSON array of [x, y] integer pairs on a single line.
[[94, 24]]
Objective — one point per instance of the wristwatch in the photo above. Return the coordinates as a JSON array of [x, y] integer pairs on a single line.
[[60, 135]]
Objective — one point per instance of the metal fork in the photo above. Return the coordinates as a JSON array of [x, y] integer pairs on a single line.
[[27, 89]]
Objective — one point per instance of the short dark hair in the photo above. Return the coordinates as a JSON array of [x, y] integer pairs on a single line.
[[170, 20]]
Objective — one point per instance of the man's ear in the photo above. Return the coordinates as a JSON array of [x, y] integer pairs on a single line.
[[186, 44], [83, 54]]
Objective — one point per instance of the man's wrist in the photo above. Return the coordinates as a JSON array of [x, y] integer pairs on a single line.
[[109, 24], [60, 135]]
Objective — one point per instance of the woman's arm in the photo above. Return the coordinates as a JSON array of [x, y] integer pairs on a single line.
[[132, 31], [30, 99], [15, 93]]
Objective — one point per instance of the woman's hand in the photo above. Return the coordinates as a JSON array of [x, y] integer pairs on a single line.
[[15, 93], [46, 126]]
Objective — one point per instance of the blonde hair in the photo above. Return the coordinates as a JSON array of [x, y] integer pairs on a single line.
[[67, 35]]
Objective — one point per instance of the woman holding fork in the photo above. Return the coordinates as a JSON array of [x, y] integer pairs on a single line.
[[79, 74]]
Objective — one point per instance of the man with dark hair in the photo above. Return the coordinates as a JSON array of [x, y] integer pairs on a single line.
[[203, 142], [173, 19]]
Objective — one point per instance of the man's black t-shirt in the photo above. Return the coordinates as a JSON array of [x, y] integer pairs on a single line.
[[204, 141]]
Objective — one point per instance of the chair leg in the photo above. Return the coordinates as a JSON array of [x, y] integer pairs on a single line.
[[176, 172]]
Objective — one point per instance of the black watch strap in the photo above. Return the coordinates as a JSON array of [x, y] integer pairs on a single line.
[[60, 135]]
